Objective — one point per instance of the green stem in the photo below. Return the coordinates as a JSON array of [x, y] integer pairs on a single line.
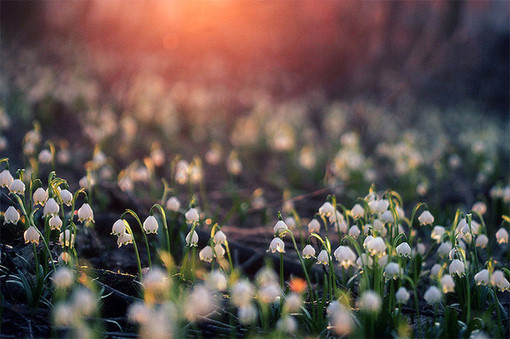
[[302, 265], [130, 231], [134, 215], [281, 271]]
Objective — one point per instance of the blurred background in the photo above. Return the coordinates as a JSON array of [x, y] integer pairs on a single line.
[[409, 95]]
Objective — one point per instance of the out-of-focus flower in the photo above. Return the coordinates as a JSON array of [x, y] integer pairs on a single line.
[[437, 233], [482, 277], [173, 204], [444, 249], [150, 225], [354, 231], [308, 252], [139, 313], [433, 295], [457, 267], [11, 216], [45, 156], [216, 280], [31, 235], [83, 302], [369, 302], [287, 324], [479, 207], [247, 314], [498, 279], [293, 303], [192, 215], [200, 303], [17, 187], [268, 293], [447, 283], [340, 318], [314, 226], [364, 260], [434, 271], [482, 240], [402, 295], [63, 277], [357, 211], [277, 245], [326, 209], [502, 236], [242, 293], [426, 218], [387, 217]]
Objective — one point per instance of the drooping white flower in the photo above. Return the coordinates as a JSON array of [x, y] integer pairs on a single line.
[[192, 215], [498, 279], [479, 207], [63, 277], [280, 228], [219, 251], [268, 293], [434, 271], [482, 240], [247, 314], [457, 267], [376, 246], [31, 235], [290, 222], [150, 225], [433, 295], [124, 239], [340, 318], [369, 302], [17, 186], [242, 293], [51, 208], [220, 237], [45, 156], [66, 239], [6, 178], [308, 252], [437, 233], [402, 295], [40, 196], [345, 256], [444, 249], [426, 218], [323, 258], [326, 209], [67, 197], [206, 254], [314, 226], [502, 236], [404, 250], [482, 277], [216, 280], [85, 213], [357, 211], [447, 283], [11, 216], [378, 225], [118, 227], [392, 271], [354, 231], [55, 222], [419, 249], [277, 245], [387, 217], [382, 206], [364, 259], [192, 239], [173, 204], [287, 324]]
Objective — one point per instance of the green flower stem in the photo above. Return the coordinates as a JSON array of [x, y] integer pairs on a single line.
[[165, 225], [229, 256], [128, 229], [281, 271], [302, 265], [134, 215]]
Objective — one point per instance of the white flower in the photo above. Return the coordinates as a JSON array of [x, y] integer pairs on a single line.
[[17, 186], [11, 216], [383, 260], [63, 277], [118, 227], [387, 217], [45, 156], [192, 215], [378, 225], [40, 196], [482, 277], [482, 240], [219, 250], [67, 197], [290, 222], [369, 302], [51, 208], [62, 314], [280, 228], [156, 283], [242, 293], [138, 313], [326, 209], [498, 279], [392, 271], [376, 246], [206, 254], [419, 249], [479, 207], [447, 283], [124, 239], [323, 258], [247, 314], [437, 233], [293, 303], [266, 276], [200, 302], [502, 236], [382, 206], [354, 231], [434, 271], [6, 178], [404, 250], [31, 235], [83, 301], [457, 267], [444, 249], [340, 317], [150, 225], [364, 259], [85, 213], [287, 324], [66, 239], [268, 293], [192, 239], [402, 295], [277, 245], [55, 222], [426, 218], [216, 280], [357, 211], [432, 295], [220, 237], [314, 226], [308, 252], [173, 204], [345, 256]]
